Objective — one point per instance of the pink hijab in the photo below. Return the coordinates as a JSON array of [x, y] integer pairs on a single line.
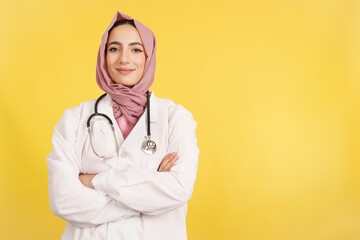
[[128, 103]]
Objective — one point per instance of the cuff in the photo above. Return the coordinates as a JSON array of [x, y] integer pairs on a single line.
[[99, 183]]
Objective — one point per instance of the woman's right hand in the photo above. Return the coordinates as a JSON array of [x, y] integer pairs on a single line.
[[168, 162]]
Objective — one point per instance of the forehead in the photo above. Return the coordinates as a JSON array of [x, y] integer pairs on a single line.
[[124, 33]]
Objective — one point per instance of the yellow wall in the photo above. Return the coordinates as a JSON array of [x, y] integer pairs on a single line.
[[273, 85]]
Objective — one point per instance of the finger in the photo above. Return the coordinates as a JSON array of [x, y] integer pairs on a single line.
[[168, 168], [170, 164], [166, 161], [169, 161]]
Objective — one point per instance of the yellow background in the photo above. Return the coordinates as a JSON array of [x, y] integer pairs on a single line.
[[273, 85]]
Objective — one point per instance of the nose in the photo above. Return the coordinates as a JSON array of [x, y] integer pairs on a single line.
[[124, 57]]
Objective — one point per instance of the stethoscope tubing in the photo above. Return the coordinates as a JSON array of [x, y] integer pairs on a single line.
[[148, 146]]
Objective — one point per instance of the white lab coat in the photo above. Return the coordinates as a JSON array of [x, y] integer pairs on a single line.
[[131, 200]]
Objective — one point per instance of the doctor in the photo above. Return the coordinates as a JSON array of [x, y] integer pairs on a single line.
[[103, 180]]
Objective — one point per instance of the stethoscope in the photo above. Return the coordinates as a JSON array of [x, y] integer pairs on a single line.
[[148, 146]]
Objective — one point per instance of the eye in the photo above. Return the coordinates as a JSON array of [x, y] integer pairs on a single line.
[[113, 49], [137, 50]]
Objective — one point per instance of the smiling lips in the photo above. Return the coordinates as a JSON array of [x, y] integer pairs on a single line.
[[125, 70]]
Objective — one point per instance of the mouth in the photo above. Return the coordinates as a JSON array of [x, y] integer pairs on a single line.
[[125, 70]]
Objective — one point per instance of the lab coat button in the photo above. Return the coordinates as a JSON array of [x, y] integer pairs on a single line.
[[124, 154]]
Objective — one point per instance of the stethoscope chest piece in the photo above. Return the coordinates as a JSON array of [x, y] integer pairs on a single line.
[[148, 146]]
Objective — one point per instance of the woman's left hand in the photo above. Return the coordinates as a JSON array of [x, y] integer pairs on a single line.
[[86, 180]]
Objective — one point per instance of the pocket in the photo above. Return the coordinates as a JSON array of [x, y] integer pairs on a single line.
[[153, 164], [103, 139], [152, 161], [103, 142]]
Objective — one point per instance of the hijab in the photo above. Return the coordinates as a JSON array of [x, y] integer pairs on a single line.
[[128, 103]]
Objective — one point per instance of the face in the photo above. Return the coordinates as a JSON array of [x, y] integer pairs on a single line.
[[125, 55]]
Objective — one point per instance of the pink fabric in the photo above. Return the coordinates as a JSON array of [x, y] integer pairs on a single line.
[[128, 103]]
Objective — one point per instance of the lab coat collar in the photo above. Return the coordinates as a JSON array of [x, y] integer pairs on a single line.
[[106, 106]]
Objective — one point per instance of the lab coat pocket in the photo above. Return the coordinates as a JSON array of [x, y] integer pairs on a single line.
[[151, 161], [152, 164], [103, 139], [103, 142]]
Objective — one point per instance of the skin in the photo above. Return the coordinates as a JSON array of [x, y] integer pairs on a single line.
[[125, 50]]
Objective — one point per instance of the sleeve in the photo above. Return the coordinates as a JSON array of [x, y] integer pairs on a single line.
[[69, 198], [152, 192]]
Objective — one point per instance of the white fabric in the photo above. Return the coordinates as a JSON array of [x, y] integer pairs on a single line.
[[131, 200]]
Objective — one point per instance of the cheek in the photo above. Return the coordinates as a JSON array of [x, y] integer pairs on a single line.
[[109, 60], [141, 62]]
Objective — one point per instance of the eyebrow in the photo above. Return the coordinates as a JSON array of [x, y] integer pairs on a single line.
[[131, 44]]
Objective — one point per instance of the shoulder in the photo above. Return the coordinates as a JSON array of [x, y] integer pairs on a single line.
[[83, 106], [72, 116]]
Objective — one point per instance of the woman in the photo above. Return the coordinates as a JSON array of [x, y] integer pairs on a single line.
[[105, 182]]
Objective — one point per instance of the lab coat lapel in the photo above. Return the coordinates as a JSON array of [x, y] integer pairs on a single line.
[[105, 106]]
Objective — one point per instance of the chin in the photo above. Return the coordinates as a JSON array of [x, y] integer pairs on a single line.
[[126, 84], [129, 86]]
